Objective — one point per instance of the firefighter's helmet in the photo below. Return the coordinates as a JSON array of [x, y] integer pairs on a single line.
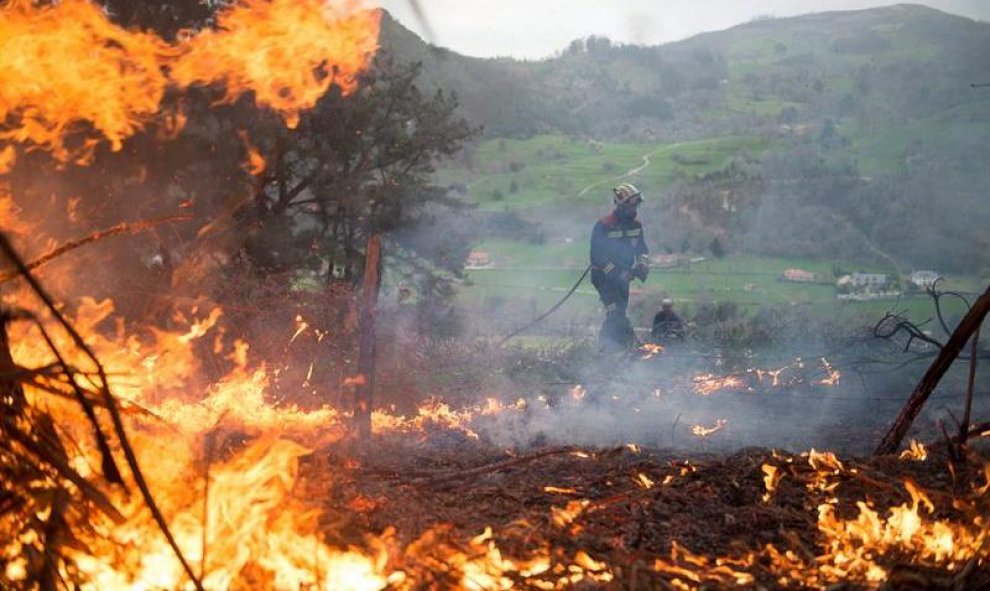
[[627, 193]]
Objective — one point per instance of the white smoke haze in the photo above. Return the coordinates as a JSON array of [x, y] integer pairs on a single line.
[[818, 384], [657, 404]]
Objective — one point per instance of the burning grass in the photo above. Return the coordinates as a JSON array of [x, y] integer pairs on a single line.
[[660, 519], [233, 495], [434, 502]]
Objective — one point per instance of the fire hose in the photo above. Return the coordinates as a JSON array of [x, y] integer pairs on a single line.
[[541, 317]]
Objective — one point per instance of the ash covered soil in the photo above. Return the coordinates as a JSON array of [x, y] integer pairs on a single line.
[[658, 518]]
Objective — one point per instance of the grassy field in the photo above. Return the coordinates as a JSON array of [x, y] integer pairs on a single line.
[[520, 174], [529, 285], [525, 279]]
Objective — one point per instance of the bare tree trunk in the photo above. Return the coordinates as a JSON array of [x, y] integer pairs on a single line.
[[969, 325], [366, 343]]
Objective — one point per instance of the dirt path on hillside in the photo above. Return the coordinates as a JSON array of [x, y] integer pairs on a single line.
[[634, 171], [631, 172]]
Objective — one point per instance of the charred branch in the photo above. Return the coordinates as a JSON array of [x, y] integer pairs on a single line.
[[121, 228], [966, 329], [893, 324]]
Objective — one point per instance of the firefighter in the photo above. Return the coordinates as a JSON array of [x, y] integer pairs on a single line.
[[667, 325], [618, 254]]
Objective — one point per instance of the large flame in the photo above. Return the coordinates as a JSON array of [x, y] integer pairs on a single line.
[[225, 464], [66, 68], [222, 460], [72, 78], [288, 52]]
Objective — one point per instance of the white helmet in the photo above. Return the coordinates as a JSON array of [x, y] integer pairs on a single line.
[[627, 192]]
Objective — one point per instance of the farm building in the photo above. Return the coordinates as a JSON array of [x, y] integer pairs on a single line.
[[924, 279], [478, 258], [868, 280], [797, 276]]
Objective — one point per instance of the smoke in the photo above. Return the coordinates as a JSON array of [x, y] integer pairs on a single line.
[[819, 382], [657, 402]]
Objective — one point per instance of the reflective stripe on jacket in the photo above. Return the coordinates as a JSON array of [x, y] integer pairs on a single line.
[[616, 245]]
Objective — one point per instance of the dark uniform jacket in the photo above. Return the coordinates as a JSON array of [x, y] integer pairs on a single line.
[[615, 246], [667, 325]]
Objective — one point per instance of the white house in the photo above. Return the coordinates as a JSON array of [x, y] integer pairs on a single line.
[[924, 279], [868, 280]]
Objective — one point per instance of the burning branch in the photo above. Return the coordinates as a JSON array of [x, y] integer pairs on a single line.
[[121, 228], [110, 468]]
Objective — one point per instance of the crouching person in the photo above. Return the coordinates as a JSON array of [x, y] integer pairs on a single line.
[[667, 325]]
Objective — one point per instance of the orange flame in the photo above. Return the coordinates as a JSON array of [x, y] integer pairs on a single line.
[[703, 431], [853, 545], [916, 451], [707, 384], [67, 70], [650, 350], [556, 490], [564, 516], [256, 162], [771, 476], [245, 519], [7, 157], [247, 523], [65, 66], [10, 219], [278, 50], [832, 375]]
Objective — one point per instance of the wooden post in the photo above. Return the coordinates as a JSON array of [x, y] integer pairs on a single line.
[[365, 386], [969, 325]]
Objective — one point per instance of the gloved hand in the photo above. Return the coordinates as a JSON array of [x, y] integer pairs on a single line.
[[642, 267]]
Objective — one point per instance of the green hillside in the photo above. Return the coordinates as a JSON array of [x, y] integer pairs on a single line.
[[881, 67], [839, 134], [520, 174], [849, 138]]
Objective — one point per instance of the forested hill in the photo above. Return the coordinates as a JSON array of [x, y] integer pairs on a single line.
[[886, 64], [861, 131]]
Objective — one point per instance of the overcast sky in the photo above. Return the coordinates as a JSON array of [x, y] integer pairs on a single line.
[[539, 28]]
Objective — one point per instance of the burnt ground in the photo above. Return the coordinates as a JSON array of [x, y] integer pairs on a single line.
[[658, 518], [616, 472]]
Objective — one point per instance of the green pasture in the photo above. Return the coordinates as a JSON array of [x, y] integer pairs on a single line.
[[947, 132], [519, 174], [530, 284]]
